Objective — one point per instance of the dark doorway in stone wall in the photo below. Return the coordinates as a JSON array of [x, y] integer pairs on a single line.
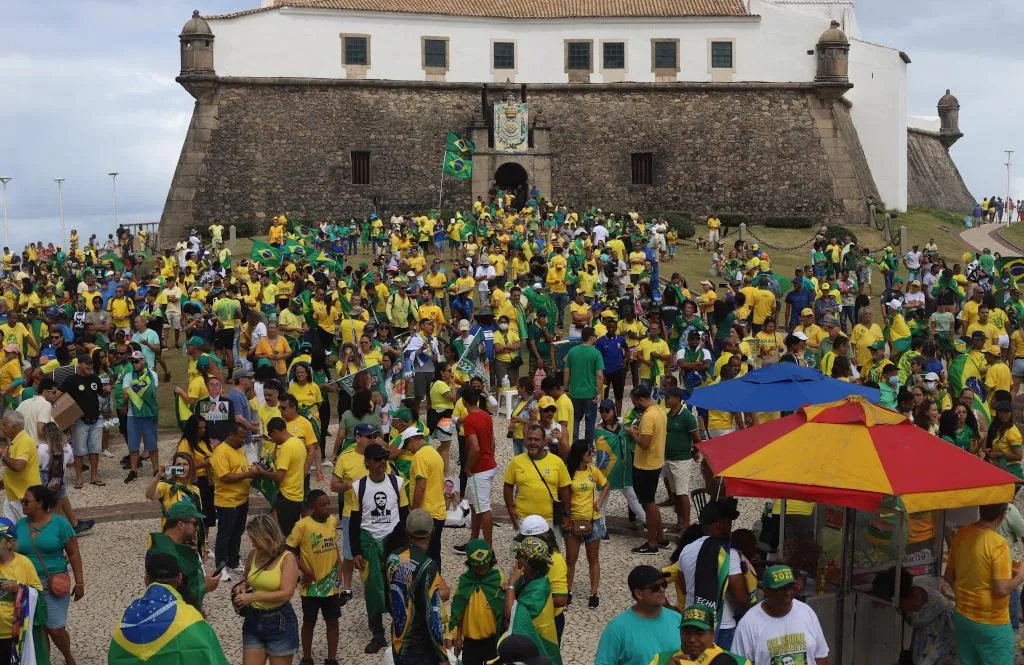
[[512, 176]]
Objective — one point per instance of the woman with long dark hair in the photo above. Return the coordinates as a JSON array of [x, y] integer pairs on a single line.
[[948, 424], [1003, 443], [196, 444], [361, 411], [588, 490]]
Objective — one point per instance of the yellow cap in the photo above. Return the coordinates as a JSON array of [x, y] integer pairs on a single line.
[[545, 402], [807, 311]]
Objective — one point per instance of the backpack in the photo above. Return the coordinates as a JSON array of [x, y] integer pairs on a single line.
[[362, 488]]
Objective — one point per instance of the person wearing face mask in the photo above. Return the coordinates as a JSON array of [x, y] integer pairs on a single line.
[[935, 391], [889, 386], [506, 352]]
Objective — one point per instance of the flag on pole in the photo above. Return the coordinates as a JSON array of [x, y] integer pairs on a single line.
[[114, 259], [474, 359], [304, 232], [292, 247], [376, 374], [458, 166], [460, 145], [264, 254]]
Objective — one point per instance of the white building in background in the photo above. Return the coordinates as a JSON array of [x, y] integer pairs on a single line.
[[599, 41]]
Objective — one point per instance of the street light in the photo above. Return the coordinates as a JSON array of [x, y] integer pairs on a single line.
[[3, 201], [60, 205], [1009, 163], [113, 179]]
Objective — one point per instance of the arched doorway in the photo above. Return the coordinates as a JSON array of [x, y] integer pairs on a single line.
[[512, 176]]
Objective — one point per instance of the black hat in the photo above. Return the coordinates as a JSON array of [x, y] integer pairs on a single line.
[[723, 509], [375, 451], [162, 566], [644, 576], [519, 649]]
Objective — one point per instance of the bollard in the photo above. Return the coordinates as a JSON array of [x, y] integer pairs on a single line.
[[232, 239], [904, 238], [743, 231]]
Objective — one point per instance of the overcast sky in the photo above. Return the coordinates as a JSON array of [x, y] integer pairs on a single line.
[[90, 89]]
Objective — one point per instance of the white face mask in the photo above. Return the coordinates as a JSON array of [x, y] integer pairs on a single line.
[[929, 386], [894, 380], [503, 326]]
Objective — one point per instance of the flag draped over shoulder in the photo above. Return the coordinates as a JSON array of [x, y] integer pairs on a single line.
[[533, 616], [964, 374], [613, 458], [160, 628], [266, 255], [28, 629]]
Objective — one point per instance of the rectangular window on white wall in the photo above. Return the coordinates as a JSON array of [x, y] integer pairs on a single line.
[[666, 55], [721, 55], [355, 50], [613, 55], [504, 56], [435, 53], [578, 56]]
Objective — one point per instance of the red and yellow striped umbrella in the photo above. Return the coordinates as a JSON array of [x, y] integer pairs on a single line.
[[853, 453]]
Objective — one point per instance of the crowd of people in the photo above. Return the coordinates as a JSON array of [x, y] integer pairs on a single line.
[[409, 335]]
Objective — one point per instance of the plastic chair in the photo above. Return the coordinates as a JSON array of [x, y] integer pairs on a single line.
[[700, 498], [506, 400]]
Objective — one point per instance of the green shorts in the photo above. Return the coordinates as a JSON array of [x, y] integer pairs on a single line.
[[982, 643]]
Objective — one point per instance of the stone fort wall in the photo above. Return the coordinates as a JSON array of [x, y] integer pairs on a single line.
[[258, 147], [933, 181]]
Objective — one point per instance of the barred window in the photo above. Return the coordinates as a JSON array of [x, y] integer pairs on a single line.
[[665, 55], [614, 55], [578, 56], [504, 55], [357, 50], [721, 55], [360, 167], [642, 168], [435, 53]]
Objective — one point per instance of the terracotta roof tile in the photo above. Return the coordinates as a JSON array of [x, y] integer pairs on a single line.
[[529, 8]]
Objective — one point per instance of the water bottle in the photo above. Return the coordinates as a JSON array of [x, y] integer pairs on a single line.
[[505, 385]]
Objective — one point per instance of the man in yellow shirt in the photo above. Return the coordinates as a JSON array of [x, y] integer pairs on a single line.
[[527, 492], [997, 376], [637, 260], [233, 475], [288, 473], [121, 309], [649, 435], [714, 230], [21, 464], [762, 307], [429, 310], [427, 478], [653, 354]]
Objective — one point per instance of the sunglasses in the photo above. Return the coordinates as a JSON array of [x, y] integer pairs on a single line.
[[654, 588]]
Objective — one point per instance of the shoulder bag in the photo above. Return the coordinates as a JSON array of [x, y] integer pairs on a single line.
[[557, 510], [59, 584]]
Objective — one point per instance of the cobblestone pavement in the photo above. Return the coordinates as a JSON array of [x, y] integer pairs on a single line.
[[113, 554]]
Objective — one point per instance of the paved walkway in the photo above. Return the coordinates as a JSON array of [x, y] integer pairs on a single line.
[[984, 236]]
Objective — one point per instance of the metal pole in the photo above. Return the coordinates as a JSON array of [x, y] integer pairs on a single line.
[[60, 206], [113, 179], [440, 188], [1006, 201], [3, 195]]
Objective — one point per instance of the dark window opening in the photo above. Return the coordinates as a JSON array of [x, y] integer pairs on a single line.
[[357, 51], [579, 55], [360, 167], [504, 55], [721, 55], [614, 55], [642, 168], [435, 53], [665, 55]]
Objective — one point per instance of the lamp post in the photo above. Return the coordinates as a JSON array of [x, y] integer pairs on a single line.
[[3, 203], [113, 180], [60, 206], [1006, 201]]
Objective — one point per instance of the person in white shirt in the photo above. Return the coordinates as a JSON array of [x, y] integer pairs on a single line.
[[716, 521], [600, 233], [484, 274], [38, 409], [780, 629], [912, 260]]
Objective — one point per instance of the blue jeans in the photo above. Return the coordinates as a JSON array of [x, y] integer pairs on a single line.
[[230, 527], [1015, 609], [275, 631], [725, 636], [585, 410], [561, 301]]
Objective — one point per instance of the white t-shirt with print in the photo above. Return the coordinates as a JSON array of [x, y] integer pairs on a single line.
[[688, 566], [380, 506], [794, 638]]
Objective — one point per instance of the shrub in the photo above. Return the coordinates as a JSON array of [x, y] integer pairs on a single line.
[[680, 222], [733, 219], [247, 229], [838, 232], [789, 222]]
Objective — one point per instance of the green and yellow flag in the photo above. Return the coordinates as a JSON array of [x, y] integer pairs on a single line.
[[159, 628], [304, 232], [533, 615], [292, 247], [457, 165], [113, 259], [264, 254], [460, 145]]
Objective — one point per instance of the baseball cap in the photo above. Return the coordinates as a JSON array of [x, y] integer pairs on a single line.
[[518, 649], [979, 334], [242, 374], [807, 311], [135, 355], [10, 348], [607, 405], [777, 577], [183, 509], [479, 553], [931, 376], [545, 402], [643, 575], [878, 345], [403, 414], [533, 525], [723, 509], [993, 349], [800, 336], [463, 324], [894, 304], [6, 528], [375, 451], [697, 616], [419, 523], [366, 429], [195, 340], [410, 433], [203, 362], [162, 566]]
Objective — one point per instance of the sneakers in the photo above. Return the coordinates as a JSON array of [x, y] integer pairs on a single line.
[[665, 543], [327, 463], [645, 549], [346, 595], [593, 602], [225, 575], [461, 549], [607, 537], [131, 477], [237, 571], [376, 644], [84, 525], [107, 454]]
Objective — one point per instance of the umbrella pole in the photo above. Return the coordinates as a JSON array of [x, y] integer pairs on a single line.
[[782, 531], [845, 583]]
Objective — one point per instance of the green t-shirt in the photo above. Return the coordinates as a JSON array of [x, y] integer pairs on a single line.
[[537, 335], [226, 310], [679, 435], [583, 362], [987, 261]]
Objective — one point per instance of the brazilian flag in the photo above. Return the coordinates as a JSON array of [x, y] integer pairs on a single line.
[[113, 259], [159, 628], [304, 232], [458, 165], [533, 615], [293, 248], [265, 254], [322, 259], [613, 458], [460, 145]]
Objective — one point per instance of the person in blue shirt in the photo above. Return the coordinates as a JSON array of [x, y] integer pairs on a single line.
[[796, 300], [645, 629], [615, 352]]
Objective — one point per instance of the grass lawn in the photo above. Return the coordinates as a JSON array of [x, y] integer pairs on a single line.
[[695, 265], [1013, 234]]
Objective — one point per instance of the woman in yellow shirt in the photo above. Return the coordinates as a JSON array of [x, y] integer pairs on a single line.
[[442, 405], [195, 443], [274, 347], [271, 576], [771, 343], [588, 490], [285, 288], [306, 392], [1004, 441], [171, 488], [369, 356], [251, 300]]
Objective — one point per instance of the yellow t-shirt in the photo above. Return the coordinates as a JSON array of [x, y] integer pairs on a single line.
[[991, 332], [978, 556], [434, 313], [317, 543], [436, 280], [478, 621], [9, 373], [225, 460], [585, 486], [16, 334], [998, 378], [564, 410], [200, 455], [508, 337], [636, 268], [120, 312], [308, 396], [350, 467], [580, 309], [532, 495], [291, 455], [23, 447], [302, 429], [428, 468], [558, 578], [654, 421], [21, 570], [171, 494], [439, 396], [969, 313], [648, 346], [763, 305], [351, 329]]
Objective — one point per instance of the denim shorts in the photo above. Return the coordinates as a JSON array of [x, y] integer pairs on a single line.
[[346, 546], [598, 531], [275, 631], [141, 430], [87, 439], [56, 609]]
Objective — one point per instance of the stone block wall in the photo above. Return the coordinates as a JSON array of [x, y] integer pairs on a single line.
[[259, 147], [933, 181]]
